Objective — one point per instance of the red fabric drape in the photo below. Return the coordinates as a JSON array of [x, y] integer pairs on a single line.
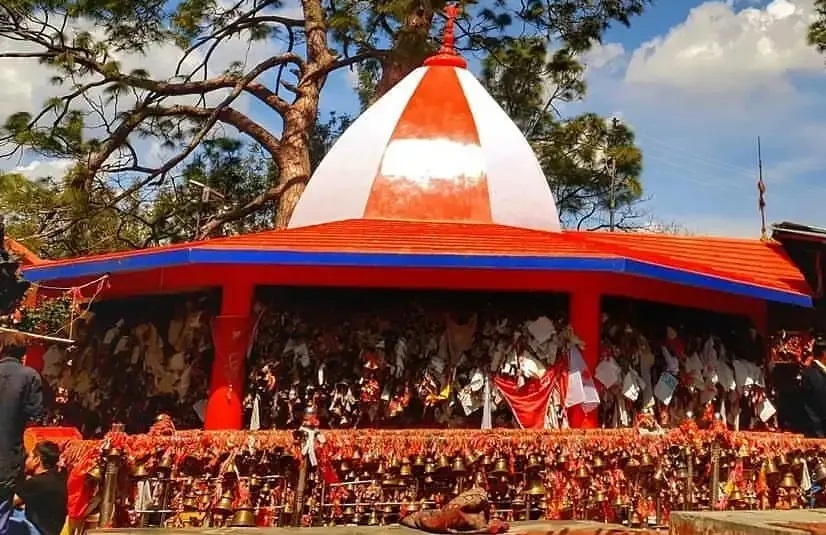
[[231, 339], [34, 357], [530, 402]]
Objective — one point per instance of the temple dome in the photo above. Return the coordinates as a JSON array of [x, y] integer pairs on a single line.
[[436, 147]]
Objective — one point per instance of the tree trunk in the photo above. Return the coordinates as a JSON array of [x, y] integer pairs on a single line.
[[410, 48], [293, 158]]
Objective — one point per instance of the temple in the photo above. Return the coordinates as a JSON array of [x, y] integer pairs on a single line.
[[434, 187], [424, 280]]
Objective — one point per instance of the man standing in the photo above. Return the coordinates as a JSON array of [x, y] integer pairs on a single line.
[[21, 401], [813, 383]]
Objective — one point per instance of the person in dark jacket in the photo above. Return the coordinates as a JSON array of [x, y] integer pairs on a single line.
[[21, 401], [813, 390], [44, 494]]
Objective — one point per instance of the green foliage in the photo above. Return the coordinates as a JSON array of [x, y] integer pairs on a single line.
[[577, 154], [817, 30], [49, 317]]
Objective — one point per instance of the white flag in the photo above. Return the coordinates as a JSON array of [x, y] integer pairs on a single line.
[[581, 387]]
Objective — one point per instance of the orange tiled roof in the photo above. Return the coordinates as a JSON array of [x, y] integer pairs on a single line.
[[751, 262], [754, 261], [27, 257]]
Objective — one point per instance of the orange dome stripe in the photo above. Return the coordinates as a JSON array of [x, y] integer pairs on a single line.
[[457, 197]]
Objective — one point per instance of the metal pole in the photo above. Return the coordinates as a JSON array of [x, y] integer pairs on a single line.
[[612, 169]]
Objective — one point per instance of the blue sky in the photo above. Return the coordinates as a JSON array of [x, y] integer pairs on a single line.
[[698, 82]]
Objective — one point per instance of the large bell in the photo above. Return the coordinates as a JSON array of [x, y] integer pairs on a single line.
[[788, 482], [458, 466], [244, 517], [536, 488], [224, 505], [500, 467]]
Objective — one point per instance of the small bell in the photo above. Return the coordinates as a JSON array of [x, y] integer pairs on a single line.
[[771, 468], [619, 503], [645, 461], [95, 473], [418, 462], [736, 497], [388, 509], [500, 467], [582, 473], [413, 507], [374, 519], [429, 468], [349, 512], [458, 466], [536, 488], [632, 465], [479, 480], [597, 463], [600, 497], [244, 517], [444, 463], [782, 461], [344, 466], [380, 471], [406, 470], [533, 462], [224, 505], [140, 472], [190, 503], [788, 482]]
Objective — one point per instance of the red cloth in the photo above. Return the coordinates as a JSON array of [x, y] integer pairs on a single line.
[[231, 337], [34, 357], [530, 403]]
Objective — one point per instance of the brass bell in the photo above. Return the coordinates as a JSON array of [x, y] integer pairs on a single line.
[[374, 519], [533, 462], [429, 468], [444, 463], [458, 466], [819, 474], [418, 462], [736, 497], [479, 480], [344, 466], [166, 464], [140, 472], [645, 461], [349, 512], [788, 482], [95, 473], [562, 460], [500, 467], [582, 473], [190, 504], [244, 517], [224, 505], [536, 488], [782, 461], [600, 497], [771, 468], [380, 471], [598, 463], [406, 470], [619, 503], [388, 509]]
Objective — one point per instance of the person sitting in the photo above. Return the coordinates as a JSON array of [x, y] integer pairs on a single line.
[[43, 495]]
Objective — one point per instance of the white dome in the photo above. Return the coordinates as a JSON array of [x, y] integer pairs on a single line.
[[436, 147]]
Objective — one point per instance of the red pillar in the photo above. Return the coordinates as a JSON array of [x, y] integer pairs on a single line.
[[231, 332], [586, 321], [34, 357]]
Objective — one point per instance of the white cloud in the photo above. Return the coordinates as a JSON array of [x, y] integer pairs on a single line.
[[24, 84], [55, 168], [719, 48]]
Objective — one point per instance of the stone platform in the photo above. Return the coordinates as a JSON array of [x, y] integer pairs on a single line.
[[797, 522], [519, 528]]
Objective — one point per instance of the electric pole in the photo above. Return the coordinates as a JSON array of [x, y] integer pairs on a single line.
[[761, 190]]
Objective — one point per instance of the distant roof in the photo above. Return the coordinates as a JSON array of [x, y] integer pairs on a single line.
[[26, 256], [751, 268], [786, 228]]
